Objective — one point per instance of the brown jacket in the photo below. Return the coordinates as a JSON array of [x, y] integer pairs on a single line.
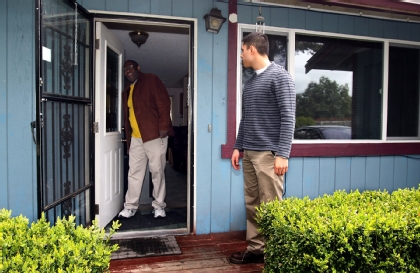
[[151, 107]]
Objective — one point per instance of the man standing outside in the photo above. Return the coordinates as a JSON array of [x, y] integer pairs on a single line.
[[146, 106], [265, 137]]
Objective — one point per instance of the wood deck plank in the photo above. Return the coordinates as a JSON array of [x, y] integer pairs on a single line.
[[200, 254]]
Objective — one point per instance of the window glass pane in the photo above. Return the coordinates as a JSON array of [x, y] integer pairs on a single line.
[[339, 83], [112, 83], [403, 92]]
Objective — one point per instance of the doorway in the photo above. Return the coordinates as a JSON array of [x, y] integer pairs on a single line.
[[167, 53]]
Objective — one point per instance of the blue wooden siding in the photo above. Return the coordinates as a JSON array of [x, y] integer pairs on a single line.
[[219, 188], [17, 108]]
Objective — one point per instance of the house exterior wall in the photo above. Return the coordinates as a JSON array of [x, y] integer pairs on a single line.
[[18, 184], [218, 188]]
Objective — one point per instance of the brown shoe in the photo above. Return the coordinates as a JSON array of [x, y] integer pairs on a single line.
[[246, 257]]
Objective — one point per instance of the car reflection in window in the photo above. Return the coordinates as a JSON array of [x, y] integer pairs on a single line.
[[323, 132]]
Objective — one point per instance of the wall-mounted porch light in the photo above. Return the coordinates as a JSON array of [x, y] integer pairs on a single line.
[[214, 20]]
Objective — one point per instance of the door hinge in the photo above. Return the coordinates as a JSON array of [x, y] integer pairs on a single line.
[[96, 208], [95, 128], [96, 43], [41, 82]]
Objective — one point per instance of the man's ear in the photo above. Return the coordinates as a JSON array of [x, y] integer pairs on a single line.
[[138, 67]]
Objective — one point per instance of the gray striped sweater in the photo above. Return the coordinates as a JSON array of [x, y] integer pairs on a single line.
[[268, 117]]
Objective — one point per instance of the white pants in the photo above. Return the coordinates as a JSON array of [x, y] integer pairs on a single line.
[[154, 152]]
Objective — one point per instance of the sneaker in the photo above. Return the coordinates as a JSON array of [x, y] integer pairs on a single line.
[[246, 257], [127, 213], [159, 212]]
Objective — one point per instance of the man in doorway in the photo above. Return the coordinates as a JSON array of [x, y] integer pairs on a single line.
[[146, 105], [265, 137]]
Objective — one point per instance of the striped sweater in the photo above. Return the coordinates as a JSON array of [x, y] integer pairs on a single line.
[[268, 118]]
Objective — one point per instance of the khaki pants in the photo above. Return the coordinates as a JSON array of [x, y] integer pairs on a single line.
[[154, 152], [261, 185]]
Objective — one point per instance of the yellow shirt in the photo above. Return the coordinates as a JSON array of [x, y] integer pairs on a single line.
[[131, 116]]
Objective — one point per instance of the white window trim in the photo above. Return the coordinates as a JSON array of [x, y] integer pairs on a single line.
[[291, 34]]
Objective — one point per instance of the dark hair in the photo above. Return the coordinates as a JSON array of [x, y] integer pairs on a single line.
[[131, 61], [258, 40]]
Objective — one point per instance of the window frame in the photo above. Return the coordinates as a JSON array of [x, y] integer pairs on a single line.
[[356, 147]]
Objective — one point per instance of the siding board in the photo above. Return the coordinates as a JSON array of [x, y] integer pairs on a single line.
[[221, 194], [361, 26], [279, 17], [358, 173], [20, 79], [294, 178], [120, 5], [330, 22], [400, 172], [342, 173], [139, 6], [310, 177], [413, 172], [376, 28], [4, 196], [245, 15], [184, 8], [237, 201], [387, 173], [373, 165], [391, 30], [326, 175], [313, 21], [404, 30], [346, 24], [162, 7], [297, 18], [94, 4]]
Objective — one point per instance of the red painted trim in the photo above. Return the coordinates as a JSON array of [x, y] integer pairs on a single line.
[[231, 97], [355, 149]]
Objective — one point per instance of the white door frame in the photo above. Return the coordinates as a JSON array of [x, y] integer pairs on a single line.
[[132, 18]]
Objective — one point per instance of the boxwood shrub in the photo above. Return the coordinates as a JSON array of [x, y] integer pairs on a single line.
[[63, 247], [372, 231]]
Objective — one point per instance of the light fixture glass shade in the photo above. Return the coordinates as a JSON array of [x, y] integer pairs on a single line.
[[214, 20], [139, 37]]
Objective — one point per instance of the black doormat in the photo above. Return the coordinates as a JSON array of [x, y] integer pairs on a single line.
[[141, 220], [145, 247]]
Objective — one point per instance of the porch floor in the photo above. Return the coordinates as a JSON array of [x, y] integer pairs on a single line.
[[200, 253]]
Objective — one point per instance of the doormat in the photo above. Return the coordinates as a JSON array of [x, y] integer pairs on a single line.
[[145, 247], [175, 218]]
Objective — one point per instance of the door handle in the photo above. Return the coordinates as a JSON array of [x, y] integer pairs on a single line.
[[33, 128], [123, 140]]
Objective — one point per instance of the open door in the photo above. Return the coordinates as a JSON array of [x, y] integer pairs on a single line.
[[64, 110], [109, 156]]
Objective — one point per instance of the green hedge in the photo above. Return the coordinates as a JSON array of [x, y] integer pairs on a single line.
[[63, 247], [373, 231]]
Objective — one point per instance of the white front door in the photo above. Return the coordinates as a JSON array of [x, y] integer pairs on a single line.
[[109, 154]]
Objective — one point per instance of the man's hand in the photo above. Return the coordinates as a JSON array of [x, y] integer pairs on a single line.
[[163, 134], [281, 165], [235, 160]]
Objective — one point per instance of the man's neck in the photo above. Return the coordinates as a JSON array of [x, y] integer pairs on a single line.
[[261, 62]]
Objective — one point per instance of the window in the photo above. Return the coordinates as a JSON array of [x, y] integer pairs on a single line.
[[340, 82]]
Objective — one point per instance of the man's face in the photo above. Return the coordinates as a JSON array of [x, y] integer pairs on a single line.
[[246, 56], [131, 71]]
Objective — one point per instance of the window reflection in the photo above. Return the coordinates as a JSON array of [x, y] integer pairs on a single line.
[[339, 82]]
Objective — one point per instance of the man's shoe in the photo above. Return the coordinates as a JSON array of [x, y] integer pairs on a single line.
[[127, 213], [246, 257], [159, 212]]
